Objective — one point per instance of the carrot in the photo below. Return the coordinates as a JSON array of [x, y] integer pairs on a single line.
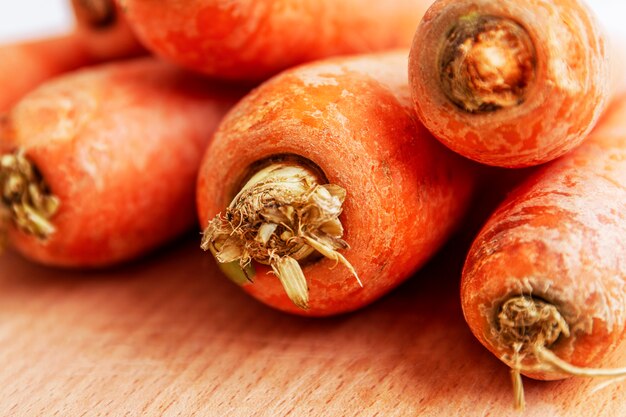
[[104, 30], [511, 83], [254, 39], [325, 178], [544, 284], [25, 65], [99, 166], [494, 184]]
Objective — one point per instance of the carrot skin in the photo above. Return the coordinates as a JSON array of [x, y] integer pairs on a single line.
[[25, 65], [254, 39], [120, 146], [560, 237], [562, 101], [352, 117]]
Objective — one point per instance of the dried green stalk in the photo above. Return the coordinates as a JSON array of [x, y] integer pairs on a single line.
[[26, 200], [281, 216]]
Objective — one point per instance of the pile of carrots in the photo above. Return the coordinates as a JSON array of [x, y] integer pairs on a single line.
[[329, 150]]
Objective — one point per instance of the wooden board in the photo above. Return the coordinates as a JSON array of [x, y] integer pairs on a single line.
[[170, 336]]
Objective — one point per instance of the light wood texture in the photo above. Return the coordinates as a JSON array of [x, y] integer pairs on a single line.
[[170, 336]]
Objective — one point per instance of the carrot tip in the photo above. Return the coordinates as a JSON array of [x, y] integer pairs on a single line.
[[281, 216], [487, 63], [97, 13], [26, 199]]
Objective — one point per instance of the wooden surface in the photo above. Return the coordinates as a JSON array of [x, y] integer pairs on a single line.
[[170, 336]]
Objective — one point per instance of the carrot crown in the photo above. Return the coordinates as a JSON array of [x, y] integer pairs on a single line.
[[486, 63], [96, 13], [525, 322], [529, 327], [26, 199], [282, 215]]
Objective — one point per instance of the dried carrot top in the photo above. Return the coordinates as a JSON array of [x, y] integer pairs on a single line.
[[282, 216], [527, 328], [26, 199]]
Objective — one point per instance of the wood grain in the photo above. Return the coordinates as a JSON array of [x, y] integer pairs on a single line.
[[170, 336]]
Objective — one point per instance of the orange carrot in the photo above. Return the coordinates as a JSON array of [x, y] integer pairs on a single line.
[[325, 177], [99, 166], [544, 284], [104, 30], [23, 66], [254, 39], [511, 83]]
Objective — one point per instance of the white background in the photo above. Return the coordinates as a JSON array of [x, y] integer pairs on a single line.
[[26, 19]]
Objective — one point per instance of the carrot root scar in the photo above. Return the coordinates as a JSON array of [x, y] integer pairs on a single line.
[[282, 216], [486, 63], [25, 198], [96, 13], [528, 327]]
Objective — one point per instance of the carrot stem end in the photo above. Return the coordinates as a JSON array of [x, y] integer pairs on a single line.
[[98, 14], [528, 327], [282, 216], [25, 197], [486, 63]]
